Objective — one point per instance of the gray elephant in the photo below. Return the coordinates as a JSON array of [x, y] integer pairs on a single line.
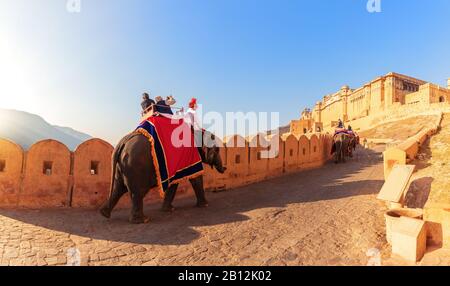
[[341, 143], [133, 171]]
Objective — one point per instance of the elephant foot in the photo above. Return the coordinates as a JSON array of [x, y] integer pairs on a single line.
[[221, 170], [168, 209], [106, 212], [140, 220], [202, 204]]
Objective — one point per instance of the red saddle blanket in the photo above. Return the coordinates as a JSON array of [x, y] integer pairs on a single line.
[[173, 150]]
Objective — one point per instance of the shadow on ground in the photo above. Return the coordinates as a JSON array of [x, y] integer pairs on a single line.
[[331, 182]]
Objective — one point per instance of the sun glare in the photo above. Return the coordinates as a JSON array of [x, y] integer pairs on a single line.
[[16, 85]]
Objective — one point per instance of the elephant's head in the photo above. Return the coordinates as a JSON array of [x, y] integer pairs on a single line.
[[212, 152]]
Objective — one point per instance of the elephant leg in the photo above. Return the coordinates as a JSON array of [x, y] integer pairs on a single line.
[[118, 191], [199, 190], [137, 194], [169, 196], [337, 153], [137, 211]]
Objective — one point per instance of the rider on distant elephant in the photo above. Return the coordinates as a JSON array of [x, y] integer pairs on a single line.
[[340, 128], [350, 131], [341, 142]]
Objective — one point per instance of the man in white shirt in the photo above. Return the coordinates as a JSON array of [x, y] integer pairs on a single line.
[[192, 119], [191, 115]]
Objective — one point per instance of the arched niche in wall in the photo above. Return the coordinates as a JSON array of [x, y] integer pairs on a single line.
[[291, 150], [303, 151], [11, 162], [236, 160], [276, 155], [92, 173], [47, 171], [258, 158]]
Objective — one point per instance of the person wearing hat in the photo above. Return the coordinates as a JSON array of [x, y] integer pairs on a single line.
[[191, 115], [192, 119]]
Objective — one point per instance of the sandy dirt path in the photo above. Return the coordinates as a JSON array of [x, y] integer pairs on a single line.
[[327, 216]]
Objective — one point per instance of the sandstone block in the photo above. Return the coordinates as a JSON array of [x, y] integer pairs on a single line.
[[409, 239]]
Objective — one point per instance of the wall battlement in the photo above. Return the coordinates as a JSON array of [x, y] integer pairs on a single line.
[[49, 175]]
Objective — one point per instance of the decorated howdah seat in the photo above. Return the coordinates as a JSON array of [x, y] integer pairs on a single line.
[[175, 157]]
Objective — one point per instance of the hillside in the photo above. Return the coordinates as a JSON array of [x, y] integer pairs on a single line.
[[26, 129]]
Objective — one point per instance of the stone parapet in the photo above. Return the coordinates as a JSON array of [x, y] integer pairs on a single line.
[[49, 175]]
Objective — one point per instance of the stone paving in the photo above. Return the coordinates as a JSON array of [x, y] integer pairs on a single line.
[[327, 216]]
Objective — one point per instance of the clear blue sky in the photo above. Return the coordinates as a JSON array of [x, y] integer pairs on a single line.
[[88, 70]]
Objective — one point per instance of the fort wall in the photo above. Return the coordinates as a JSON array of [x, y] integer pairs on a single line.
[[11, 162], [92, 173], [49, 175], [380, 97], [46, 178]]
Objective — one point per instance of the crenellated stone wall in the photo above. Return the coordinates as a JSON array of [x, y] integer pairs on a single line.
[[49, 175]]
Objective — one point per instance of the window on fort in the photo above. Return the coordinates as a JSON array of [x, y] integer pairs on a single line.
[[441, 99], [237, 159], [304, 151], [291, 152], [2, 166], [258, 156], [315, 149], [48, 168], [94, 167]]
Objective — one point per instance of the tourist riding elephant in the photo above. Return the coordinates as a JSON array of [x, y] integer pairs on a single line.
[[341, 143], [133, 171]]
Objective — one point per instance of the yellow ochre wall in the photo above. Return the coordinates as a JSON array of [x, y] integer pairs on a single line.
[[72, 182], [378, 96]]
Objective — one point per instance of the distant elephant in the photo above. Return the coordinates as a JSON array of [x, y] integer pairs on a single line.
[[133, 171], [341, 143], [353, 142]]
